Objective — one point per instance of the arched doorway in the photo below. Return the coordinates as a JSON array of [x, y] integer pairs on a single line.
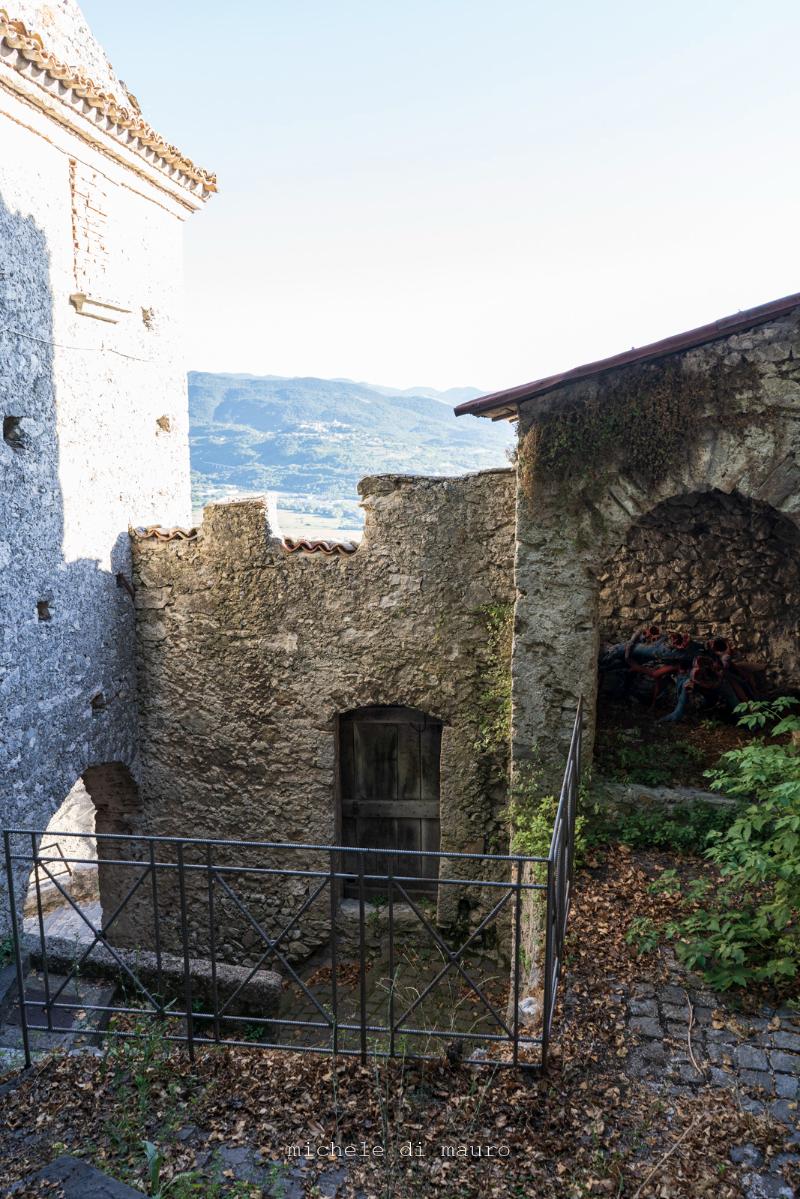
[[388, 780]]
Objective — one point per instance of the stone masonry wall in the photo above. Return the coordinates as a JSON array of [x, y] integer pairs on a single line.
[[570, 530], [711, 563], [247, 653], [82, 454]]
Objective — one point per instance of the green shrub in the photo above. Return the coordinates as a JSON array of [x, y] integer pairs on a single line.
[[685, 830], [744, 929]]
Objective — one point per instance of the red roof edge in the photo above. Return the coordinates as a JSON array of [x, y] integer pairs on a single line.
[[503, 403]]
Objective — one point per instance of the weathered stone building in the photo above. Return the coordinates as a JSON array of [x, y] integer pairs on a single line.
[[261, 665], [663, 483], [92, 396]]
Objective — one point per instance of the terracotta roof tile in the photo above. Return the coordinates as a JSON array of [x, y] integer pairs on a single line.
[[126, 124], [302, 545], [158, 533]]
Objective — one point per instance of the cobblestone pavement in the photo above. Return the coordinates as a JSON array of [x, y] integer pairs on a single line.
[[685, 1038]]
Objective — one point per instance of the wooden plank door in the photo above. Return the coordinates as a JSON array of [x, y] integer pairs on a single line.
[[389, 788]]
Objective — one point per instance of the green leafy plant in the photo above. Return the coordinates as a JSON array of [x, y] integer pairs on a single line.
[[185, 1183], [532, 816], [643, 934], [745, 928], [683, 830], [623, 756]]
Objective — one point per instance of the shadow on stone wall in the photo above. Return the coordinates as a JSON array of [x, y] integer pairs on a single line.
[[67, 686]]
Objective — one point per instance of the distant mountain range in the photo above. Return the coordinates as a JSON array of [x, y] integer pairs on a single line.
[[311, 440]]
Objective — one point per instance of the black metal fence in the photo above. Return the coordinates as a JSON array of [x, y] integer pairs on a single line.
[[218, 942]]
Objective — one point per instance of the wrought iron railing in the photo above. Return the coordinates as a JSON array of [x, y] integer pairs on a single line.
[[252, 943]]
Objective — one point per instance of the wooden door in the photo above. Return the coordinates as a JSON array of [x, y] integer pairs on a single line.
[[389, 789]]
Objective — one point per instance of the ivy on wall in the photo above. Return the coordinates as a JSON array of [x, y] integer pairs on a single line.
[[641, 422]]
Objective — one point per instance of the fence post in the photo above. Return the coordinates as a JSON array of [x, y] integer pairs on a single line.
[[517, 952], [362, 987], [334, 964], [23, 1015], [40, 914], [548, 962], [187, 978]]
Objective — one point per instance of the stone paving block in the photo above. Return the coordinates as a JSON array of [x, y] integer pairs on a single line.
[[721, 1035], [750, 1057], [757, 1079], [786, 1086], [787, 1063], [673, 1011], [720, 1055], [646, 1026], [643, 1007], [655, 1052], [746, 1155], [75, 1179], [702, 1015], [643, 990], [766, 1186], [678, 1031], [672, 994], [786, 1040], [721, 1078], [785, 1111]]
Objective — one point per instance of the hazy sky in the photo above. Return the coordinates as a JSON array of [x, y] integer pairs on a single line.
[[452, 192]]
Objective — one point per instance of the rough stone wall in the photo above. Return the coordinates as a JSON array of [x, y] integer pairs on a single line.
[[82, 455], [711, 563], [247, 654], [570, 528]]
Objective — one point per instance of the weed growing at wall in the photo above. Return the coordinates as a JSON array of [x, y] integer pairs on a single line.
[[642, 421], [494, 702]]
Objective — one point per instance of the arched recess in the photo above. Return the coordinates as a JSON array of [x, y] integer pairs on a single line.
[[566, 533], [388, 788], [103, 800], [711, 564]]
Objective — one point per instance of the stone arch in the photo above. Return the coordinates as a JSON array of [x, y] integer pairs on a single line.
[[712, 564], [568, 531], [104, 799]]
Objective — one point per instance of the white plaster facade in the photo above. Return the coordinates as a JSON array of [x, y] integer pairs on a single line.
[[94, 410]]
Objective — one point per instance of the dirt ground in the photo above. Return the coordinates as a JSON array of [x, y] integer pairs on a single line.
[[589, 1128]]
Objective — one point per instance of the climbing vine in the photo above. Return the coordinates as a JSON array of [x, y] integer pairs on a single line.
[[641, 422], [494, 701]]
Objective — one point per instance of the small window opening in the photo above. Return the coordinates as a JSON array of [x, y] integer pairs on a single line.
[[98, 702], [12, 432], [164, 424], [43, 610]]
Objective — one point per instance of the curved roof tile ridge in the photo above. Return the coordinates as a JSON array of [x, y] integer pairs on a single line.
[[159, 533], [129, 124], [309, 546]]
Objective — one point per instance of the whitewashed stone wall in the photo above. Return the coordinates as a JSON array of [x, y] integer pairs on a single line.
[[84, 454]]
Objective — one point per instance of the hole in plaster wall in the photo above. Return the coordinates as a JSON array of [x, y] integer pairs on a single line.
[[98, 702], [12, 432], [43, 610], [164, 424], [148, 317]]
